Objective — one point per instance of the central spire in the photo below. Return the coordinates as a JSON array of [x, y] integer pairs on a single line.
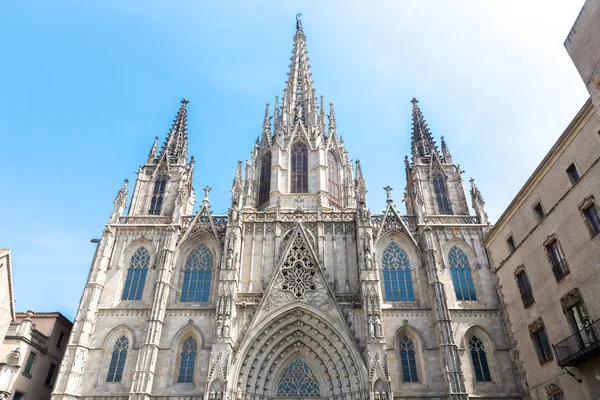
[[422, 141], [299, 100]]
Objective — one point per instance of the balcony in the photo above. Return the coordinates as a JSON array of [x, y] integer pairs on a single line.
[[527, 297], [560, 269], [579, 347]]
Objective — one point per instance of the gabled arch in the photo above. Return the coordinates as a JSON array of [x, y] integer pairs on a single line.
[[298, 329], [284, 369]]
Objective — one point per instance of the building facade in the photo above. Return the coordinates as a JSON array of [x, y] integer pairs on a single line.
[[299, 291], [545, 248], [31, 352], [7, 310]]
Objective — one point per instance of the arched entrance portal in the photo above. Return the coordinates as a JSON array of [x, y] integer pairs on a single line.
[[300, 353]]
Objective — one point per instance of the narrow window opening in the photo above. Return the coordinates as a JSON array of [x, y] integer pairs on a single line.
[[157, 195], [539, 211], [479, 358], [559, 264], [511, 244], [117, 361], [61, 337], [299, 174], [136, 275], [408, 360], [592, 218], [524, 288], [29, 364], [441, 194], [461, 275], [397, 278], [197, 276], [333, 173], [573, 174], [188, 360], [50, 376], [264, 187]]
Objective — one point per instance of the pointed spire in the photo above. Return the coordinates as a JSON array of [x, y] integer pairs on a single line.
[[332, 123], [153, 150], [120, 202], [238, 181], [478, 203], [299, 99], [266, 135], [176, 144], [446, 152], [422, 142]]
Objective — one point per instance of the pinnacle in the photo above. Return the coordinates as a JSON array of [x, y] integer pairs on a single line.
[[176, 142]]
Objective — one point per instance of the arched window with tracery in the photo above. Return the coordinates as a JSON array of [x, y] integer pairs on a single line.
[[299, 156], [158, 194], [136, 275], [264, 186], [408, 360], [397, 278], [479, 358], [298, 380], [461, 275], [441, 194], [333, 172], [189, 350], [197, 276], [117, 361]]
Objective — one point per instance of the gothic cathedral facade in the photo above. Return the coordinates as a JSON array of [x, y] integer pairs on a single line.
[[299, 291]]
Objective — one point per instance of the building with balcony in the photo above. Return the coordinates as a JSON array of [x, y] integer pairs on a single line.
[[31, 353], [545, 248]]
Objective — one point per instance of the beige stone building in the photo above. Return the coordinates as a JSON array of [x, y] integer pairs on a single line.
[[7, 302], [299, 291], [545, 248], [31, 354]]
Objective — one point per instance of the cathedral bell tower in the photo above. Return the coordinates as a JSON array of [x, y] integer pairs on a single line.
[[164, 184], [434, 185], [299, 162]]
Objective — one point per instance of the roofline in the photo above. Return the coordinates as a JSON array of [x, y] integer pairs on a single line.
[[56, 314], [587, 106]]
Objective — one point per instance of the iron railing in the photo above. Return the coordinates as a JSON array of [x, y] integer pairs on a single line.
[[579, 347], [527, 297]]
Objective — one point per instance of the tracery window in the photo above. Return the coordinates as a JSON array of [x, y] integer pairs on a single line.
[[333, 172], [136, 275], [298, 380], [408, 360], [480, 363], [397, 278], [264, 186], [188, 360], [117, 361], [299, 177], [461, 275], [158, 194], [197, 276], [441, 195]]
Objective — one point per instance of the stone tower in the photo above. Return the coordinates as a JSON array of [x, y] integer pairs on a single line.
[[299, 291]]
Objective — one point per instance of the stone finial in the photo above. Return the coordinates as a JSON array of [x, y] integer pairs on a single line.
[[388, 190]]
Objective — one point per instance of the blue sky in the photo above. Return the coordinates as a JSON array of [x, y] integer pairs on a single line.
[[87, 85]]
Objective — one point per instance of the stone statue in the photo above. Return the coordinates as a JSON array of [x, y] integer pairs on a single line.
[[368, 258], [219, 328], [226, 327], [234, 213], [371, 327], [378, 327]]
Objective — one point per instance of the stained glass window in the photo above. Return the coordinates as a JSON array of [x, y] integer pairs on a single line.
[[397, 279], [480, 364], [441, 195], [157, 195], [298, 380], [264, 186], [299, 176], [197, 276], [117, 362], [408, 361], [136, 275], [461, 275], [334, 178], [188, 360]]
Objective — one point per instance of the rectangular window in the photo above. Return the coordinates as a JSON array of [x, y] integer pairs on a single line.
[[524, 288], [50, 376], [582, 325], [559, 264], [511, 244], [539, 211], [18, 396], [61, 337], [558, 396], [573, 173], [592, 218], [542, 346], [29, 364]]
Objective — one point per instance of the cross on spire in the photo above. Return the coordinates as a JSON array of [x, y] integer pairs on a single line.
[[184, 101], [388, 190], [414, 101], [206, 190], [298, 22]]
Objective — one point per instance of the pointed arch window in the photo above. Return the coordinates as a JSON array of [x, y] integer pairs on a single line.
[[479, 358], [461, 275], [264, 186], [408, 360], [158, 194], [333, 172], [188, 354], [136, 275], [298, 380], [299, 177], [197, 276], [117, 361], [441, 194], [397, 278]]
